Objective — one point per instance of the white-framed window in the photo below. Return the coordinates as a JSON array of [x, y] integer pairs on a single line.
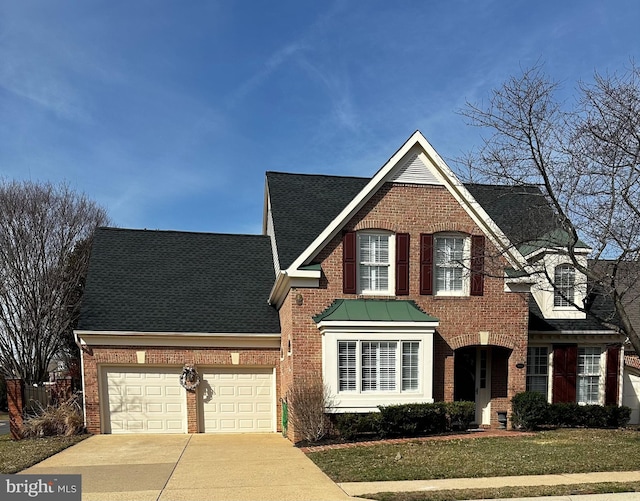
[[375, 258], [564, 286], [538, 369], [347, 366], [410, 371], [378, 366], [451, 261], [588, 390]]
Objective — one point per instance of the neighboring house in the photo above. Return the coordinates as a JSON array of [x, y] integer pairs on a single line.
[[408, 286]]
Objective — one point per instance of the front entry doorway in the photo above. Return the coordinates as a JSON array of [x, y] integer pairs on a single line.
[[472, 380]]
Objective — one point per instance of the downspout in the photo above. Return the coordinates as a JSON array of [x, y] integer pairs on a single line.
[[84, 395]]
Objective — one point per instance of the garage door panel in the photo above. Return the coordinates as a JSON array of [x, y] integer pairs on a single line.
[[145, 399], [237, 400]]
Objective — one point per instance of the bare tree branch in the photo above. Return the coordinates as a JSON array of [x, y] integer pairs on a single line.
[[44, 230], [586, 161]]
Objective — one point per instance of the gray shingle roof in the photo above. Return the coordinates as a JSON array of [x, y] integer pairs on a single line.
[[168, 281], [538, 323], [303, 205]]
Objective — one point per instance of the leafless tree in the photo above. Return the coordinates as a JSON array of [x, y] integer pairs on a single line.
[[44, 231], [585, 158]]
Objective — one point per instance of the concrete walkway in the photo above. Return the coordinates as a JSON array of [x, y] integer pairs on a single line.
[[192, 467], [363, 488]]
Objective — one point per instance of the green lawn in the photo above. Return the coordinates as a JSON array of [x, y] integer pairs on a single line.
[[548, 452], [20, 454]]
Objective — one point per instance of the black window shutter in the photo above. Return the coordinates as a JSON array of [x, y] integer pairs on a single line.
[[426, 263], [402, 264], [611, 382], [349, 263], [477, 265]]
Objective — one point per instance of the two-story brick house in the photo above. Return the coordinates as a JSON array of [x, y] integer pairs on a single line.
[[408, 286]]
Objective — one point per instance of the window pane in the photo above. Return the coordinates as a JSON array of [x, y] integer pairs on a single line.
[[588, 375], [449, 268], [379, 366], [538, 369], [347, 366], [374, 262], [374, 278], [410, 365], [564, 280]]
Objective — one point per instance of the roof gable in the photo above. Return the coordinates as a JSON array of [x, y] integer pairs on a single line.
[[168, 281], [416, 162]]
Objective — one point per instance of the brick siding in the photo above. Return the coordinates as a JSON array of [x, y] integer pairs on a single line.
[[97, 356], [415, 209]]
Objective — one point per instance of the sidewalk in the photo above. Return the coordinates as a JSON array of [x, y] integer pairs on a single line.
[[363, 488]]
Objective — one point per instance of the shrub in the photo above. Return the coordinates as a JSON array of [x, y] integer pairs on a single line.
[[62, 419], [566, 415], [618, 416], [351, 425], [459, 415], [308, 403], [530, 410], [410, 420], [573, 415]]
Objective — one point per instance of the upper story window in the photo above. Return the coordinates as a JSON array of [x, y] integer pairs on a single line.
[[451, 262], [374, 262], [564, 282]]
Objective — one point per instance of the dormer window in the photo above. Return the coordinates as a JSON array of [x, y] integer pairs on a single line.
[[564, 286]]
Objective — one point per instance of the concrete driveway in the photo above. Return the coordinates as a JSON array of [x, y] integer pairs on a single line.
[[192, 467]]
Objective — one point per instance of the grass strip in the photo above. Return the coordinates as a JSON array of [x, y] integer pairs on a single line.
[[509, 492], [16, 455]]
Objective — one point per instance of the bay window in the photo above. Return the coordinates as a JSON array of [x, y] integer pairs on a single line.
[[378, 366]]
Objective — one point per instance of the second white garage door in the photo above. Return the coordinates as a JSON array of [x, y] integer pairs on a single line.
[[237, 400]]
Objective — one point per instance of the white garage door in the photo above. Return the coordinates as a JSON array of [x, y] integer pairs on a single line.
[[145, 400], [237, 400], [631, 395]]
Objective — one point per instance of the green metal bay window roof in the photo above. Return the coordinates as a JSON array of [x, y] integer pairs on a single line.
[[373, 310]]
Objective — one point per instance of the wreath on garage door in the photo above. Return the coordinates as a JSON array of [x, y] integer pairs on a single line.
[[189, 379]]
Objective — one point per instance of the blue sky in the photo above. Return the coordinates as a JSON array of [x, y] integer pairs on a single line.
[[168, 113]]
